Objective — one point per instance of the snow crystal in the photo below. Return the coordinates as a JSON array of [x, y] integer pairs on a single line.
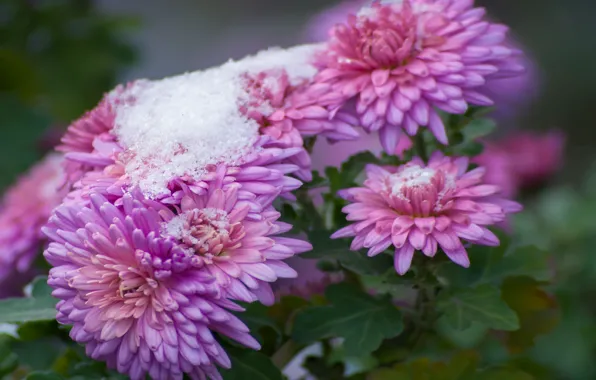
[[177, 126]]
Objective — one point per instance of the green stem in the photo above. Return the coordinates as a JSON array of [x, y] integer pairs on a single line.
[[420, 146]]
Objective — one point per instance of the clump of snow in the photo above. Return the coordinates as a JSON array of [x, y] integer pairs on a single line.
[[177, 126], [409, 177]]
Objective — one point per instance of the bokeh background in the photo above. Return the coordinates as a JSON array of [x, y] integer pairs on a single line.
[[57, 58]]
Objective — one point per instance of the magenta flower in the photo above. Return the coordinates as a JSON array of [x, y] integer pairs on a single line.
[[424, 207], [535, 157], [137, 300], [241, 251], [396, 64], [26, 207], [522, 160]]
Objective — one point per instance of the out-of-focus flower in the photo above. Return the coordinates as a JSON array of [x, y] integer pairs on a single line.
[[522, 160], [243, 254], [25, 208], [395, 64], [423, 207], [309, 282], [136, 299]]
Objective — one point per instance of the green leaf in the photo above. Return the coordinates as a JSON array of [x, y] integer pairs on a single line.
[[495, 264], [8, 360], [522, 261], [482, 304], [467, 338], [362, 320], [39, 307], [478, 128], [247, 364], [325, 247], [43, 375], [256, 318], [359, 262], [538, 312], [463, 366]]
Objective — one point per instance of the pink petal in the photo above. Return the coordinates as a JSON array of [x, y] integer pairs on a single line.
[[402, 259]]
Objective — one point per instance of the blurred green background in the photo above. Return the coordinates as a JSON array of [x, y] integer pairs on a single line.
[[58, 57]]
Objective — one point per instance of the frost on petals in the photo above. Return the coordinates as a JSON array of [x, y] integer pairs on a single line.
[[418, 207]]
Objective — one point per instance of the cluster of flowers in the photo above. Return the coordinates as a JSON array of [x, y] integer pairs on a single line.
[[169, 217]]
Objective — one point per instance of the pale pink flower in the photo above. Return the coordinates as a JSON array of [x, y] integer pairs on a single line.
[[424, 207]]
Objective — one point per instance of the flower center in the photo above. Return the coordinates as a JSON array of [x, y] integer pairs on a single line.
[[410, 177], [206, 230]]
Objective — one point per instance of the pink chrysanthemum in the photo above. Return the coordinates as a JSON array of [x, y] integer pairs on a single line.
[[240, 251], [25, 208], [396, 64], [423, 207], [137, 300], [286, 113]]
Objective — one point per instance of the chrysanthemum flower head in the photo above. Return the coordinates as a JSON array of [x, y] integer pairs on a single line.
[[418, 207], [240, 251], [287, 111], [136, 299], [396, 63], [26, 207]]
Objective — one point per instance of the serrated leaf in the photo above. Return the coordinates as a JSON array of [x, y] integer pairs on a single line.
[[19, 310], [482, 304], [362, 320], [248, 364]]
